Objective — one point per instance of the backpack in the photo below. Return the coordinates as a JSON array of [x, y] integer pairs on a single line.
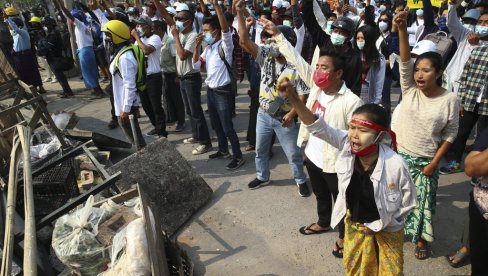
[[44, 47], [232, 75], [141, 59], [443, 42]]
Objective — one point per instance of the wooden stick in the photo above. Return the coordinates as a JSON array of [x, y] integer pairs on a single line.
[[8, 244], [30, 243]]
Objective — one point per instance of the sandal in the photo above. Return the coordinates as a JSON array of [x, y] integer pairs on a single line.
[[249, 148], [311, 231], [338, 252], [460, 256], [421, 253]]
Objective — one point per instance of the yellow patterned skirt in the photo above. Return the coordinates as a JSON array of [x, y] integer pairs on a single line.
[[377, 254]]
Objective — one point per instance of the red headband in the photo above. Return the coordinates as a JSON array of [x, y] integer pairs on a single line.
[[375, 126]]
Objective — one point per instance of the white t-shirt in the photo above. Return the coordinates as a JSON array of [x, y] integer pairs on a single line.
[[315, 146], [83, 34], [153, 59]]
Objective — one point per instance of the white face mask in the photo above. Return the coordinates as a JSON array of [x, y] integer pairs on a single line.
[[287, 23], [383, 26], [45, 29]]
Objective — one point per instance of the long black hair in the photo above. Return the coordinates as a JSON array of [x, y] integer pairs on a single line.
[[370, 52]]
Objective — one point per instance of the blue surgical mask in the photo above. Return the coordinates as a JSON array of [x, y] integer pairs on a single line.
[[328, 27], [360, 44], [337, 39], [208, 38], [180, 26], [287, 23], [481, 30]]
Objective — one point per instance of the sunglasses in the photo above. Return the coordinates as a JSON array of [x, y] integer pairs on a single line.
[[383, 20], [181, 19]]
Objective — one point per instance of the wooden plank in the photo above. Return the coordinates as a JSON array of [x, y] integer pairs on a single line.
[[120, 198]]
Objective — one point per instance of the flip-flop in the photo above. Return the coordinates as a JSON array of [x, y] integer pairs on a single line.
[[303, 230], [421, 250], [461, 256], [338, 252]]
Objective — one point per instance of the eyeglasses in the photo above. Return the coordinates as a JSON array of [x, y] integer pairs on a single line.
[[181, 19]]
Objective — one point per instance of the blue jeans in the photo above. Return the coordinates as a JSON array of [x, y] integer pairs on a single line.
[[191, 87], [219, 109], [287, 136]]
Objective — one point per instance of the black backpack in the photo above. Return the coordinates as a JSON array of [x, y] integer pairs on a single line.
[[44, 47]]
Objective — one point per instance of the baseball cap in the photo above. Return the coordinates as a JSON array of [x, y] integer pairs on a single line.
[[277, 4], [182, 7], [143, 20], [472, 14], [171, 10], [424, 46]]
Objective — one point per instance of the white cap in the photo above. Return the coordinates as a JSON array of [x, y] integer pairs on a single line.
[[424, 46], [182, 7], [286, 4], [171, 10], [278, 4], [175, 4]]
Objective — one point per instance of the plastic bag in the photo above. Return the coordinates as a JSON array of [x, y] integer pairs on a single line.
[[129, 255], [61, 120], [75, 243]]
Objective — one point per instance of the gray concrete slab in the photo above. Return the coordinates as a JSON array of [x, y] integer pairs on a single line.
[[244, 232]]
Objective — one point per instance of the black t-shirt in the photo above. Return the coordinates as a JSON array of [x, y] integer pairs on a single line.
[[482, 141], [360, 195], [54, 38]]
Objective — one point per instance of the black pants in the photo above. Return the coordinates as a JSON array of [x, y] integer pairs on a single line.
[[126, 127], [152, 103], [478, 234], [325, 187], [63, 81], [110, 92], [466, 124], [174, 102], [253, 118]]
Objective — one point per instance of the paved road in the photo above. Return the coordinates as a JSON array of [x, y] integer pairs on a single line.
[[244, 232]]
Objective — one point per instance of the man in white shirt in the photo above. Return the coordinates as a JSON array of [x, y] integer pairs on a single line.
[[219, 82], [126, 98], [85, 52], [190, 79], [150, 44]]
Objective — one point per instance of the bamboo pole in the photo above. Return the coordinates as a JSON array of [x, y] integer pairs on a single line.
[[8, 244], [30, 243]]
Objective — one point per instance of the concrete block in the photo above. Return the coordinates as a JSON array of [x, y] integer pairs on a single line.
[[175, 190]]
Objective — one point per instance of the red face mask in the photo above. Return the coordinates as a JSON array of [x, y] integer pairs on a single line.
[[321, 79], [368, 150]]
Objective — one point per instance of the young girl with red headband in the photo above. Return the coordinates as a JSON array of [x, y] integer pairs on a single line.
[[376, 191]]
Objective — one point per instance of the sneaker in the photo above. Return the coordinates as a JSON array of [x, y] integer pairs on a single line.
[[113, 124], [235, 163], [54, 80], [303, 190], [219, 154], [474, 181], [256, 183], [201, 149], [451, 167], [152, 133], [47, 80], [179, 128], [190, 141]]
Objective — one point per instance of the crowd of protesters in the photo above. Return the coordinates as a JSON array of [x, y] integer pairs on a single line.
[[373, 166]]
